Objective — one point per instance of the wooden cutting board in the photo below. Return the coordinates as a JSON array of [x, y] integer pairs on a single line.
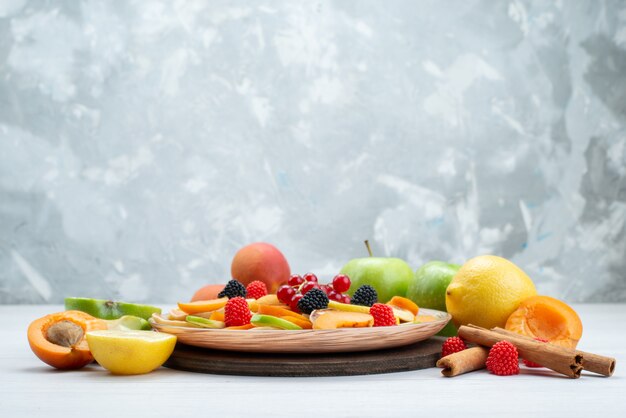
[[417, 356]]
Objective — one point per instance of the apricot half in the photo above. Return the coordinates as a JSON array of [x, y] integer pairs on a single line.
[[59, 339], [547, 318]]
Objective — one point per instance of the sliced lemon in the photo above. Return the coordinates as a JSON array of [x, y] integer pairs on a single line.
[[130, 352]]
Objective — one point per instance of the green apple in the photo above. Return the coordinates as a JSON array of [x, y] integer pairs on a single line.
[[389, 276], [428, 289], [108, 309]]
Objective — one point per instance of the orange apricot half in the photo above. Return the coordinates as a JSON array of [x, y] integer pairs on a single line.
[[59, 339], [547, 318]]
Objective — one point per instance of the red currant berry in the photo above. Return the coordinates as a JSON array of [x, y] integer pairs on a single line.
[[310, 277], [285, 293], [308, 286], [295, 280], [341, 283], [326, 288], [331, 295], [294, 302], [345, 299]]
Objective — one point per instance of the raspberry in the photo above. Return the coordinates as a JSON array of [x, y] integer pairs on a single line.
[[452, 345], [365, 296], [237, 312], [502, 359], [383, 315], [233, 288], [256, 289], [528, 363]]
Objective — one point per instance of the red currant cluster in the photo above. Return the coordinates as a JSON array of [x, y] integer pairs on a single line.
[[297, 286]]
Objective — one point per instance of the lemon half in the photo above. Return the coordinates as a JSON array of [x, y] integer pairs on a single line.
[[130, 352]]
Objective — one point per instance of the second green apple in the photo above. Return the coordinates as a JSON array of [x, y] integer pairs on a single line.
[[428, 289]]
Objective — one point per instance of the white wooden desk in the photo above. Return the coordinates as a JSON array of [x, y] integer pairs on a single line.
[[29, 387]]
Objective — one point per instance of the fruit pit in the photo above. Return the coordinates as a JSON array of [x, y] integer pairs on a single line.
[[64, 333]]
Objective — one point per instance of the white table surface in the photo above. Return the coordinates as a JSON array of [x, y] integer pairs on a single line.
[[29, 387]]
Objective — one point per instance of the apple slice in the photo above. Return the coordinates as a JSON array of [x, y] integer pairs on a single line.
[[420, 319], [161, 320], [176, 314], [332, 319], [204, 323], [346, 307], [402, 314], [261, 320]]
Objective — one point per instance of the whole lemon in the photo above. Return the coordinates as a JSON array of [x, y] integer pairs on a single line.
[[486, 290]]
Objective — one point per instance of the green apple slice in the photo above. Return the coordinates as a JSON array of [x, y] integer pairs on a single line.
[[129, 323], [161, 320], [338, 306], [273, 321], [204, 323], [108, 309]]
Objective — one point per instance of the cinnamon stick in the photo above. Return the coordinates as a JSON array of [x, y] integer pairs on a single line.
[[561, 360], [464, 361], [594, 363]]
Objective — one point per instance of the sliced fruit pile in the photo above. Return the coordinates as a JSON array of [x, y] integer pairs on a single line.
[[300, 304]]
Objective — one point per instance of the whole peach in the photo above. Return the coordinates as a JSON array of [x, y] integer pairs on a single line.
[[260, 261]]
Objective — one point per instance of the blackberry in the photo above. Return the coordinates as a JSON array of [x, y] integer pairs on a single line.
[[314, 299], [365, 296], [233, 289]]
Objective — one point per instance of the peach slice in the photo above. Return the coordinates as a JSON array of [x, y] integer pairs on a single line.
[[547, 318], [253, 304], [241, 327], [202, 305], [343, 319], [217, 315], [277, 311], [270, 299]]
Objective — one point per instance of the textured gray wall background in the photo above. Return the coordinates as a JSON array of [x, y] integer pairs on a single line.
[[143, 142]]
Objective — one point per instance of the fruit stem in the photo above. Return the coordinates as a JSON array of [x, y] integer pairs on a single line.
[[369, 249]]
